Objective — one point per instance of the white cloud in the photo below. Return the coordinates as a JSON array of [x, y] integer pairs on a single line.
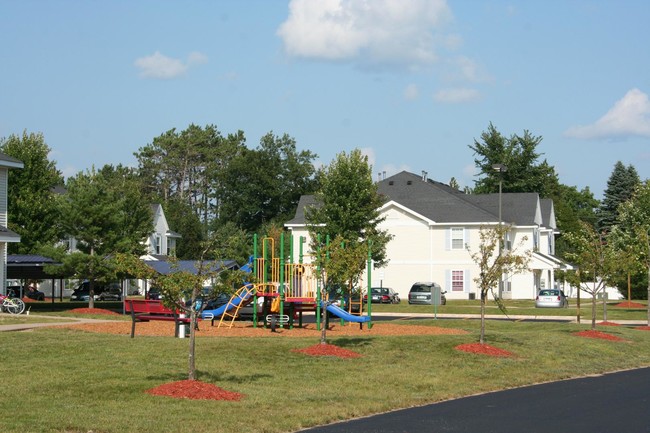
[[630, 116], [162, 67], [457, 95], [367, 31], [411, 92], [370, 153]]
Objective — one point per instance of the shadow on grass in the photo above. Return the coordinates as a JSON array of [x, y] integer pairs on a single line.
[[205, 376], [352, 342]]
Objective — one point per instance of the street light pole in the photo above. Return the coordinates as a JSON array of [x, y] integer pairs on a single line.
[[500, 168]]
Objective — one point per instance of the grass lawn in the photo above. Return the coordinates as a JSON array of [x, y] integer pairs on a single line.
[[62, 380], [520, 307]]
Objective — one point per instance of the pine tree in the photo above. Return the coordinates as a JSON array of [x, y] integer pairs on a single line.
[[620, 187]]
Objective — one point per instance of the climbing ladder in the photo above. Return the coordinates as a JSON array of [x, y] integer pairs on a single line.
[[242, 297]]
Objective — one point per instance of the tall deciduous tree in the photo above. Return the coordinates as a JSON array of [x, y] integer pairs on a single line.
[[349, 205], [633, 231], [31, 203], [519, 154], [620, 187], [184, 166], [493, 264], [265, 184], [105, 212]]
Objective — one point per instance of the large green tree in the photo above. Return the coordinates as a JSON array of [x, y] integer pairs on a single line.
[[105, 212], [349, 205], [32, 207], [632, 234], [264, 185], [525, 173], [184, 166], [620, 187]]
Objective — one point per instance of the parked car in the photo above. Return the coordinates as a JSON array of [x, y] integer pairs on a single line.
[[420, 293], [382, 295], [30, 292], [14, 291], [82, 292], [153, 294], [33, 293], [111, 293], [339, 295], [551, 298]]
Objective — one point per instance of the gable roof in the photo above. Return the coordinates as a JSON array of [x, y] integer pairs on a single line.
[[443, 204], [433, 200]]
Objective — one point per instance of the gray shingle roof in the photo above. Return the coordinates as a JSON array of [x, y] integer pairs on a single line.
[[441, 203], [10, 161]]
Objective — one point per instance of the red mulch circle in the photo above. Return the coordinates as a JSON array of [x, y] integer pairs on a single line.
[[194, 390], [628, 304], [608, 324], [642, 328], [94, 311], [327, 350], [598, 334], [484, 349]]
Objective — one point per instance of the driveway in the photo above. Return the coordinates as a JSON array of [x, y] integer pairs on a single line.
[[610, 403]]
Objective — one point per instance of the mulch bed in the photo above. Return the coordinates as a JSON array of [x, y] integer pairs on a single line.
[[94, 311], [194, 390], [484, 349], [628, 304], [246, 329], [608, 324], [598, 334], [642, 328]]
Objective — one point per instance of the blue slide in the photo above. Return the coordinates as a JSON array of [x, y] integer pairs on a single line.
[[340, 312], [242, 298]]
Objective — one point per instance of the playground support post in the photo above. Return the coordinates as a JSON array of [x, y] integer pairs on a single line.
[[369, 294]]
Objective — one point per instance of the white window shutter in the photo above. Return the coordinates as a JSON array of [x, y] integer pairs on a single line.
[[466, 281], [467, 244], [448, 280]]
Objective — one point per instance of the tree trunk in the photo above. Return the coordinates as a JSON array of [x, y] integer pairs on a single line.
[[648, 295], [192, 358], [593, 310], [482, 337]]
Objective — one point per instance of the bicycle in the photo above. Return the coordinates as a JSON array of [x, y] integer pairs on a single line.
[[12, 305]]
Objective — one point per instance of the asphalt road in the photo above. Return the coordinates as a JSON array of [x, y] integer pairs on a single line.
[[611, 403]]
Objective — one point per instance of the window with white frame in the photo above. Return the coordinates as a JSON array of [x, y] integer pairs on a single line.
[[457, 238], [156, 244], [507, 243], [457, 281]]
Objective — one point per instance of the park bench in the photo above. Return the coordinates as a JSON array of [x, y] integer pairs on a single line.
[[145, 310]]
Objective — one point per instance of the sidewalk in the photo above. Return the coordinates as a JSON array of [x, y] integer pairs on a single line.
[[52, 321]]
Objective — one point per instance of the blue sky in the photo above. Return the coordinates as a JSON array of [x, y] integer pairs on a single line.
[[410, 82]]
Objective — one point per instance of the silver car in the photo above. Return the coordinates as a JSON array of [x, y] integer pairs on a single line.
[[551, 298]]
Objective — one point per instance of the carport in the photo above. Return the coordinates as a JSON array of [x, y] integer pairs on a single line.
[[32, 267]]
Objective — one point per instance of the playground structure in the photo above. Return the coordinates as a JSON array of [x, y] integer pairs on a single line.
[[283, 289]]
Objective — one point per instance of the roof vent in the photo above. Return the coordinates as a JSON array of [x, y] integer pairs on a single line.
[[409, 182], [424, 176], [390, 182]]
